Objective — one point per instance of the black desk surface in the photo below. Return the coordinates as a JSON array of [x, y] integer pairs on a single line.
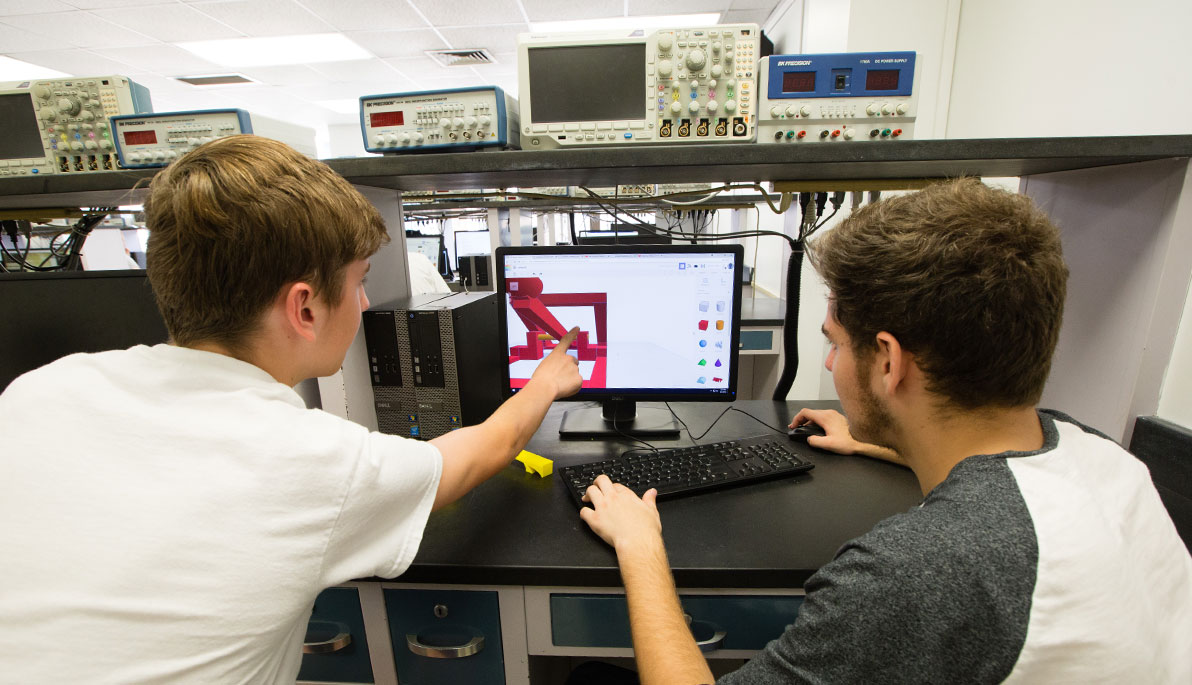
[[520, 529]]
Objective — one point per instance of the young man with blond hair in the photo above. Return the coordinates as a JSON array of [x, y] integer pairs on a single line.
[[1041, 551], [171, 512]]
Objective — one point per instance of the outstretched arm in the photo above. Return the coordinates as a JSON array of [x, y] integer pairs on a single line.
[[663, 646], [837, 437], [474, 454]]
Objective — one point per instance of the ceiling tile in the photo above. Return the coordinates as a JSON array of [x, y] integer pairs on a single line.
[[397, 43], [496, 38], [109, 4], [265, 17], [469, 12], [77, 29], [505, 65], [745, 17], [650, 8], [423, 68], [286, 75], [169, 23], [356, 70], [352, 89], [74, 61], [767, 5], [553, 10], [16, 39], [366, 15], [11, 7], [163, 59]]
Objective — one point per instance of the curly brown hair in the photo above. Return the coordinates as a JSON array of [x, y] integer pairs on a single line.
[[969, 279], [234, 221]]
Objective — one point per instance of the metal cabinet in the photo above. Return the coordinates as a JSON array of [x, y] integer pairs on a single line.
[[336, 647], [445, 636]]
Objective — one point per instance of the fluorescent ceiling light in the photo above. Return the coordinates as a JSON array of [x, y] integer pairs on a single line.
[[345, 106], [613, 23], [16, 70], [258, 52]]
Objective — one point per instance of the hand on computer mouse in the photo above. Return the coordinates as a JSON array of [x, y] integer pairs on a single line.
[[801, 433]]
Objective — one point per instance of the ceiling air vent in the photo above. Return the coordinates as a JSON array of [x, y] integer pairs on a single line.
[[215, 80], [461, 58]]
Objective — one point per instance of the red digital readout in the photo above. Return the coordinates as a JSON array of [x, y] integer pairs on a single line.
[[386, 119], [798, 82], [882, 79], [140, 137]]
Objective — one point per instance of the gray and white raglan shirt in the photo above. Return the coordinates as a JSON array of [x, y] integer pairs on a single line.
[[1055, 566]]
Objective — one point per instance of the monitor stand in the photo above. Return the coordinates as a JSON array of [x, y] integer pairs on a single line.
[[598, 422]]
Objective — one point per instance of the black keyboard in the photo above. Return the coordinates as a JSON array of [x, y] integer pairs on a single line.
[[688, 470]]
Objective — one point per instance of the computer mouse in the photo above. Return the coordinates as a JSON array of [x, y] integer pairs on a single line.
[[801, 433]]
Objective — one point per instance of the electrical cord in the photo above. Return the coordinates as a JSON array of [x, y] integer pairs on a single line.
[[719, 416]]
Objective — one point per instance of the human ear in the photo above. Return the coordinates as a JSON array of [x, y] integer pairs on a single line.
[[298, 302], [891, 362]]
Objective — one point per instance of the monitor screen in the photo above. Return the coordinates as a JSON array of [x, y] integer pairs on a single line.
[[470, 243], [588, 82], [428, 246], [657, 322], [50, 315], [22, 136]]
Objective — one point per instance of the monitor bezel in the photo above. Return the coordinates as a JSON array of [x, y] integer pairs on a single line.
[[624, 394]]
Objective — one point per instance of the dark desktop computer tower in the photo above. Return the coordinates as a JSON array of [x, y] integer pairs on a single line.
[[475, 271], [435, 362]]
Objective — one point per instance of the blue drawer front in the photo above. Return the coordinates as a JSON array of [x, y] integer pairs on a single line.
[[603, 620], [469, 613], [756, 340], [337, 610]]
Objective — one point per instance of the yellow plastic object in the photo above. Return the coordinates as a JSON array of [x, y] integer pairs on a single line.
[[536, 463]]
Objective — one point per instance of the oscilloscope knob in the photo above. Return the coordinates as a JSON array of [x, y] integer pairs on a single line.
[[676, 107], [717, 70], [485, 121], [713, 106], [730, 106], [716, 46], [666, 68], [41, 92], [48, 113], [444, 123], [105, 144], [470, 122], [457, 122], [90, 145], [68, 106], [665, 43], [88, 115], [76, 145], [696, 59], [694, 106]]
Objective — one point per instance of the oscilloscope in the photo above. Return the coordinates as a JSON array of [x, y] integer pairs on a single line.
[[675, 85], [60, 125]]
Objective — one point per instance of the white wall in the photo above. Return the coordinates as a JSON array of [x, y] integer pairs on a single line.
[[1175, 402]]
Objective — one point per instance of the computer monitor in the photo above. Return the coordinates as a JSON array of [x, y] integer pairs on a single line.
[[430, 246], [622, 234], [44, 316], [657, 323]]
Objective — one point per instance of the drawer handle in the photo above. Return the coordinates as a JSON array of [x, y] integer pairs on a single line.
[[341, 640], [456, 652]]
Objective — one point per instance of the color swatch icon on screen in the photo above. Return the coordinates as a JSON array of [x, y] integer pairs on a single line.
[[703, 362], [704, 304], [720, 306], [720, 324], [718, 364], [703, 343], [703, 324]]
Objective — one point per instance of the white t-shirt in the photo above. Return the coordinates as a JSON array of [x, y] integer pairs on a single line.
[[169, 515]]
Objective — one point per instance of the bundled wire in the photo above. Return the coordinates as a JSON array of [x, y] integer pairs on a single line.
[[66, 247]]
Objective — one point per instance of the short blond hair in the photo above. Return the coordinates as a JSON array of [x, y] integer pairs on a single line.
[[235, 220], [970, 279]]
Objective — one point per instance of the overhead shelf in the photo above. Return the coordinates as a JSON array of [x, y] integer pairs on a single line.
[[904, 159]]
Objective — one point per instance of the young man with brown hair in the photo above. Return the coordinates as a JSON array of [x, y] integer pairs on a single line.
[[1041, 551], [172, 516]]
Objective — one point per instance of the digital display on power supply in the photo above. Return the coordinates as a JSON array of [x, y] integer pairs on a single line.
[[798, 82], [588, 82], [140, 137], [881, 79], [376, 119], [23, 139]]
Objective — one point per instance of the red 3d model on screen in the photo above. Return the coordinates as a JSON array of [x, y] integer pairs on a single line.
[[534, 307]]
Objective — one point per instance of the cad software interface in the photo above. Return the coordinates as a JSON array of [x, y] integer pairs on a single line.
[[647, 321]]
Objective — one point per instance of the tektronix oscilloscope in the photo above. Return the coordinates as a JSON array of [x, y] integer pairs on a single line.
[[837, 97], [680, 85], [60, 126]]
